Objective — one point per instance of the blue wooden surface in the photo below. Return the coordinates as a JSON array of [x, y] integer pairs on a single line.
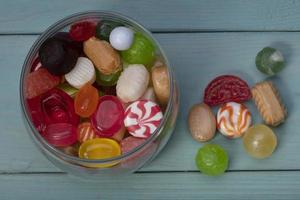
[[202, 39]]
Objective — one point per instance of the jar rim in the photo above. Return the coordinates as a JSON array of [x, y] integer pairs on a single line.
[[50, 31]]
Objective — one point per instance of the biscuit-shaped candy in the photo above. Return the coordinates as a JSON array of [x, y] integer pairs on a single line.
[[268, 102]]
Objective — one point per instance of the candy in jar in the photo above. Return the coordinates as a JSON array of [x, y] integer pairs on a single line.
[[149, 95], [86, 100], [82, 31], [233, 119], [142, 118], [85, 132], [132, 83], [60, 134], [130, 143], [161, 84], [107, 80], [121, 38], [104, 28], [260, 141], [108, 118]]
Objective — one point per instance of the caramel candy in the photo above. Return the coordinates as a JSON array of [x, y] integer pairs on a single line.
[[161, 84], [104, 57], [268, 102]]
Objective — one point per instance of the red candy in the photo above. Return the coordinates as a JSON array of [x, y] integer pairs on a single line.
[[82, 31], [39, 82], [36, 64], [130, 143], [53, 107], [61, 134], [225, 89], [108, 117]]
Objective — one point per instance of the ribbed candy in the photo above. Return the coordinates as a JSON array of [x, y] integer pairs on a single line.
[[82, 73], [142, 118], [85, 132]]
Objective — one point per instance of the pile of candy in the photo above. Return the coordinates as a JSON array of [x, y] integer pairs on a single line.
[[233, 119], [97, 91]]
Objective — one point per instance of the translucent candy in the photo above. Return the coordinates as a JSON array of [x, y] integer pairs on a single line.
[[60, 134], [85, 132], [82, 31], [269, 61]]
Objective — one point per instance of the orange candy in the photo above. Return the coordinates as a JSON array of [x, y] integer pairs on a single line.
[[85, 132], [86, 100]]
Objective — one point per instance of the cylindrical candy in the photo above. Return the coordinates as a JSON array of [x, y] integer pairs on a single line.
[[85, 132], [233, 119], [132, 83], [142, 118], [121, 38], [82, 73]]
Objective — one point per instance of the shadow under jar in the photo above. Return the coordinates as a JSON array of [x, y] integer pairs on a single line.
[[126, 162]]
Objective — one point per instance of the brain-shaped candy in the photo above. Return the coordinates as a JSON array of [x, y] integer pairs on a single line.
[[233, 119], [142, 118]]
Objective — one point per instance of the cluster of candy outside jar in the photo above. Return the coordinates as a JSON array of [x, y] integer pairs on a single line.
[[98, 91]]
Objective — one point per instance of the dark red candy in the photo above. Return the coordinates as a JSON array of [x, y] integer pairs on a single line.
[[36, 64], [53, 107], [82, 31], [58, 56], [65, 37], [225, 89], [39, 82], [61, 134]]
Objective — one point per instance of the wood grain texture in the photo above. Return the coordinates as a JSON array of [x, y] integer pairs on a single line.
[[197, 58], [33, 16], [234, 186]]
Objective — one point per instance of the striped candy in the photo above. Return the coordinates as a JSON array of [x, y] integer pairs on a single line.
[[233, 119], [85, 132], [142, 118]]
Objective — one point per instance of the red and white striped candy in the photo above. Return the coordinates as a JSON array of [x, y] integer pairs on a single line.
[[142, 118]]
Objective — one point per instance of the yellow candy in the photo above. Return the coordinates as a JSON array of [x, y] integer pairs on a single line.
[[99, 148]]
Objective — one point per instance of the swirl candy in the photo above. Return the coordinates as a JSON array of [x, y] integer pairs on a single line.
[[233, 119], [142, 118], [132, 83]]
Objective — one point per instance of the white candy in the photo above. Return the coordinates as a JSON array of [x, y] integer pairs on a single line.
[[121, 38], [82, 73], [132, 83], [149, 95]]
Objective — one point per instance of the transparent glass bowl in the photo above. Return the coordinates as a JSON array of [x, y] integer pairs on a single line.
[[128, 162]]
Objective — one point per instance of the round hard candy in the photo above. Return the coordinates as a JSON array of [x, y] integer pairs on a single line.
[[121, 38], [233, 119], [142, 118], [60, 134]]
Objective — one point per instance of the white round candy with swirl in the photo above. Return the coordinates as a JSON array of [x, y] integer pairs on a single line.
[[142, 118], [233, 119], [132, 83]]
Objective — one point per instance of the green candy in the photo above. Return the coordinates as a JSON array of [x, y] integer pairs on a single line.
[[107, 80], [212, 160], [142, 51], [269, 61], [104, 28], [68, 89]]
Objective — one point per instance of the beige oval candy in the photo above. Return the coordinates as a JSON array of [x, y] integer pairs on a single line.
[[161, 84], [202, 122], [105, 58]]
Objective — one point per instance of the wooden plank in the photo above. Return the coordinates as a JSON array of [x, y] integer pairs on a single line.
[[246, 185], [197, 58], [31, 16]]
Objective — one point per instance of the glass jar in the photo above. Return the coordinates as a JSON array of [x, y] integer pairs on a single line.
[[125, 163]]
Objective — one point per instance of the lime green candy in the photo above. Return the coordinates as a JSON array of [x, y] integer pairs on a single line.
[[269, 61], [142, 51], [68, 89], [212, 160], [107, 80]]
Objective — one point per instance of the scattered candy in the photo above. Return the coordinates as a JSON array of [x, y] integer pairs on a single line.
[[86, 100], [268, 102], [142, 118], [121, 38], [142, 51], [269, 61], [233, 119], [82, 31], [68, 89], [60, 134], [131, 143], [212, 160], [108, 118], [202, 122], [132, 83], [39, 82], [82, 73], [100, 148], [259, 141], [104, 57], [107, 80], [225, 89], [104, 29], [149, 95], [57, 56], [161, 84], [85, 132]]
